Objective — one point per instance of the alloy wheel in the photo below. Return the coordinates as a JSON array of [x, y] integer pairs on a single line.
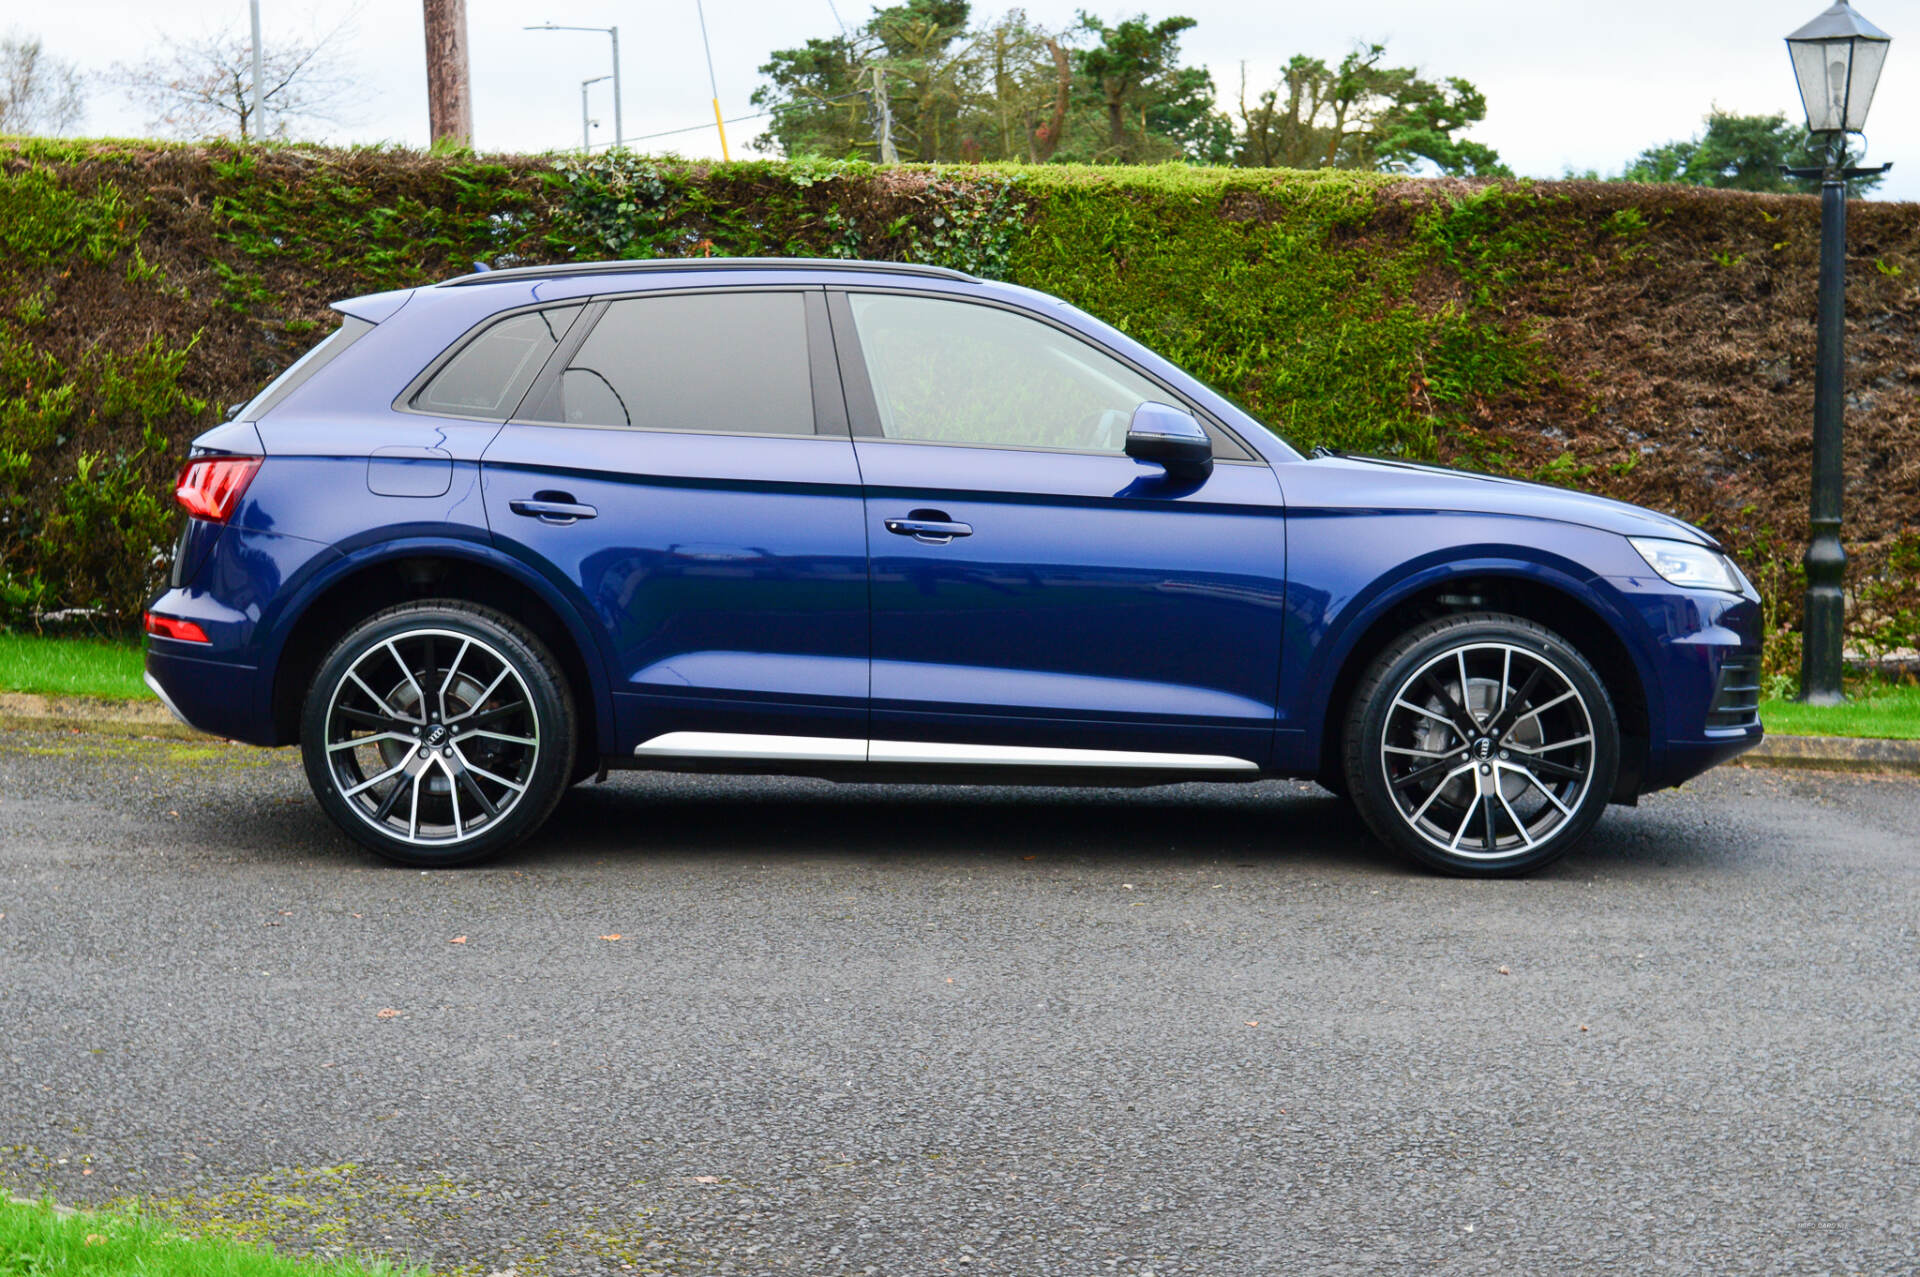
[[1489, 750], [431, 737]]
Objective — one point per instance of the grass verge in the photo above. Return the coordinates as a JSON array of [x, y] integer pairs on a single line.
[[70, 667], [1885, 711], [34, 1240]]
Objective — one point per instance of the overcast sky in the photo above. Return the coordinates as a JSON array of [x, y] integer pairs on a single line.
[[1569, 83]]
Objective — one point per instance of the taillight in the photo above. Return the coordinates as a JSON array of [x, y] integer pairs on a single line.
[[211, 487], [174, 628]]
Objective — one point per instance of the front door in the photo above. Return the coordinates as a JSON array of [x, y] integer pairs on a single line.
[[1036, 592], [685, 473]]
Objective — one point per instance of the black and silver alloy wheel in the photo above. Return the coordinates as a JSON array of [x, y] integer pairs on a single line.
[[433, 733], [1482, 744]]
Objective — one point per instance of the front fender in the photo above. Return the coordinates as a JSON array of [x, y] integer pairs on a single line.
[[1345, 580]]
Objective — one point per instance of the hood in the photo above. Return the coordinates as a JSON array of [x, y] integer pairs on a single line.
[[1379, 483]]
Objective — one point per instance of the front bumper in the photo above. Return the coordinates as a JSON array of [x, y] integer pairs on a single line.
[[1706, 647]]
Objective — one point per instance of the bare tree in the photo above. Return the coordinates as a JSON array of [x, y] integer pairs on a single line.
[[38, 92], [202, 86]]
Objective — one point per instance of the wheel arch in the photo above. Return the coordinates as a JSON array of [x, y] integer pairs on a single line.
[[1548, 597], [359, 585]]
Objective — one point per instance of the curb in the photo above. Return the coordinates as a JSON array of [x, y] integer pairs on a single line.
[[1836, 753], [95, 714]]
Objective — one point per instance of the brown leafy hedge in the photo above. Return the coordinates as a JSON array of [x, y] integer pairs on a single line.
[[1651, 343]]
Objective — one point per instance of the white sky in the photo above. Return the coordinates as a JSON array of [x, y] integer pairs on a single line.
[[1568, 82]]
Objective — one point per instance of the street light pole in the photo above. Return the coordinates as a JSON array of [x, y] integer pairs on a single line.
[[619, 124], [586, 123], [1837, 59]]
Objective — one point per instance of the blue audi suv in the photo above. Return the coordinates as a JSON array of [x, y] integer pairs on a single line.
[[877, 521]]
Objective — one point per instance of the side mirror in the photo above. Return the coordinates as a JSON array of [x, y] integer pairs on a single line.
[[1171, 437]]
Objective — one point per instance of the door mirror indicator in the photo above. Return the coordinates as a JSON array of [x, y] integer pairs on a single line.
[[1162, 433]]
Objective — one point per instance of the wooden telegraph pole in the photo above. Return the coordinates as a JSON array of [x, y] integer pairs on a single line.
[[449, 96]]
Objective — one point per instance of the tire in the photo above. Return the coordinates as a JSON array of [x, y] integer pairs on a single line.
[[438, 733], [1493, 783]]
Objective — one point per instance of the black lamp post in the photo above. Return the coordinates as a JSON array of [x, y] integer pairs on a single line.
[[1837, 58]]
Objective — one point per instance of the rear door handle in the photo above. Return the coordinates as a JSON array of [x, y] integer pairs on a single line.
[[548, 507], [930, 526]]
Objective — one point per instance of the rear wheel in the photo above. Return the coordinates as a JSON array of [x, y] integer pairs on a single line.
[[437, 733], [1481, 745]]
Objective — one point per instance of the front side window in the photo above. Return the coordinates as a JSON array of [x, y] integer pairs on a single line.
[[953, 372], [733, 363], [491, 372]]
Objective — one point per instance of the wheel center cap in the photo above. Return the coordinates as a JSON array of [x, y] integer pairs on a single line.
[[438, 733], [1483, 749]]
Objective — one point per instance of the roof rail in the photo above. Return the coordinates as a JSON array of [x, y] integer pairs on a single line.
[[671, 264]]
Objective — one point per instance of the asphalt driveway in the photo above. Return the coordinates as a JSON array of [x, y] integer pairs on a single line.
[[750, 1026]]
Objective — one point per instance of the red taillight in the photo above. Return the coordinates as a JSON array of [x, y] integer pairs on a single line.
[[211, 487], [174, 628]]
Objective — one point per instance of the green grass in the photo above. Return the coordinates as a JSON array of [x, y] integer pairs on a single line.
[[1885, 711], [35, 1242], [70, 667]]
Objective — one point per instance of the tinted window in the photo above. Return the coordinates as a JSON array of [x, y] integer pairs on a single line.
[[349, 331], [488, 376], [733, 362], [953, 372]]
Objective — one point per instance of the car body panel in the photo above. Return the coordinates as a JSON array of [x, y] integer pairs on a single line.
[[1095, 601], [725, 575]]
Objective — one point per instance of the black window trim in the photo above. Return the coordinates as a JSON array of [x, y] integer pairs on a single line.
[[864, 414], [829, 402], [403, 402]]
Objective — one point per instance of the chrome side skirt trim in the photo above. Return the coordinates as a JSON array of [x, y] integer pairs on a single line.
[[741, 745]]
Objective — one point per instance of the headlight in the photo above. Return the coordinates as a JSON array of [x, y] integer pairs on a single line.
[[1683, 563]]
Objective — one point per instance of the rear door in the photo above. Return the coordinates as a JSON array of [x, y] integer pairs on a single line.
[[683, 470], [1034, 588]]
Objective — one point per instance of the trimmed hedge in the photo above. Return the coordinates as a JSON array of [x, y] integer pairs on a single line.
[[1647, 342]]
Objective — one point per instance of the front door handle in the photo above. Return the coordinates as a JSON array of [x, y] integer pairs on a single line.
[[930, 526], [552, 507]]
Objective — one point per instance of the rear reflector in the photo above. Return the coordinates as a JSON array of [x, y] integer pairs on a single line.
[[174, 628], [211, 487]]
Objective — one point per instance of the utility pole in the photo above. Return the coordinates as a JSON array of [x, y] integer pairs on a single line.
[[259, 78], [712, 83], [449, 94], [883, 117]]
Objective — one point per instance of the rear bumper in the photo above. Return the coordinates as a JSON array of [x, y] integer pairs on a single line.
[[212, 696]]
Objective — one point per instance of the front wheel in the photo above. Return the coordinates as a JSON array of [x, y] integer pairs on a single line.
[[438, 732], [1482, 745]]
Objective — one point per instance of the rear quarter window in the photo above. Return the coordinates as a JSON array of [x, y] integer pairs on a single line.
[[492, 371], [304, 368]]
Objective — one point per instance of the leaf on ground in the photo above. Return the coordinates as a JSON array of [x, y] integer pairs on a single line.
[[614, 936], [706, 1179], [458, 940], [1504, 971], [386, 1013]]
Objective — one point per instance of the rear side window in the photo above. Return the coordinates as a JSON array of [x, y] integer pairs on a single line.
[[733, 363], [349, 331], [491, 372]]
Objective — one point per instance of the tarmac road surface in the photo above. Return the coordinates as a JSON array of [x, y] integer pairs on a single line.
[[768, 1026]]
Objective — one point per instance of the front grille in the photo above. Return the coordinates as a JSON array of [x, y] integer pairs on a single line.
[[1736, 696]]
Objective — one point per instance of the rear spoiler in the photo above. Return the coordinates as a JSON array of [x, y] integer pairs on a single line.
[[374, 307]]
